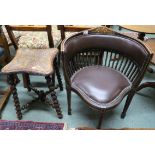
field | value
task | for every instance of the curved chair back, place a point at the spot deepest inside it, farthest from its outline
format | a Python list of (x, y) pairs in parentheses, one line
[(108, 48)]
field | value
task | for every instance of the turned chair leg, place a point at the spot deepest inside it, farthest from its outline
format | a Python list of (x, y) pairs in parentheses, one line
[(26, 81), (59, 59), (100, 120), (54, 97), (69, 101), (53, 79), (16, 79), (127, 104), (12, 82), (58, 75)]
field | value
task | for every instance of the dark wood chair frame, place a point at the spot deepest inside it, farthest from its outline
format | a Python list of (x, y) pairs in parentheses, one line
[(76, 61)]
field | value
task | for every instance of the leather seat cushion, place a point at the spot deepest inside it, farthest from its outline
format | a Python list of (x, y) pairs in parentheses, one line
[(102, 87)]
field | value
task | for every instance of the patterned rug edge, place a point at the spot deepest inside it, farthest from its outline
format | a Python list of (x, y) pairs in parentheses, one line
[(31, 125)]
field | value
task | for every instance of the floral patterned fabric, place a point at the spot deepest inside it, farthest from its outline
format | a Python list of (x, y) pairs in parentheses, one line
[(39, 39), (35, 40)]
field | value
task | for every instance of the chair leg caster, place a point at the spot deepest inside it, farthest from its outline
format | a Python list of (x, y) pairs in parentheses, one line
[(123, 115)]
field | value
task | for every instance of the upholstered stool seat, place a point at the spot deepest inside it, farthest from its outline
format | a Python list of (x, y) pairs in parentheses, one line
[(34, 61), (101, 87)]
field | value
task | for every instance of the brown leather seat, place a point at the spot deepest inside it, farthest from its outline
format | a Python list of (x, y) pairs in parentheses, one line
[(102, 87)]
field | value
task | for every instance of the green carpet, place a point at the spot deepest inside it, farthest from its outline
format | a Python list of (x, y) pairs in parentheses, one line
[(141, 113)]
